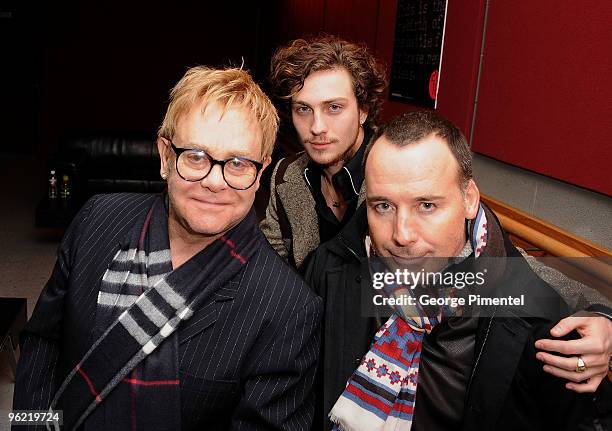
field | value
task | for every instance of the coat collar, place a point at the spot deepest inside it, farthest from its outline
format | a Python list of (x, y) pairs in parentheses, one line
[(299, 205)]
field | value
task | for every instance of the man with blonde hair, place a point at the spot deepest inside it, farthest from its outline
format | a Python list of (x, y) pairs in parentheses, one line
[(172, 311)]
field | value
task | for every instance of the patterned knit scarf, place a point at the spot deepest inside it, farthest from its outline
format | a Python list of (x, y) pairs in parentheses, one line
[(129, 379), (381, 393)]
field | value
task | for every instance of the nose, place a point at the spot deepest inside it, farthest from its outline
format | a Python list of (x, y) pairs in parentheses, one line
[(214, 181), (405, 230), (318, 126)]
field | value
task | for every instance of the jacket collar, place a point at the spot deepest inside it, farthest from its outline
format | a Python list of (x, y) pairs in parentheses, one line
[(299, 206)]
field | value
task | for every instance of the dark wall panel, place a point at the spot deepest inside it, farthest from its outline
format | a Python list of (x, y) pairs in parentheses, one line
[(110, 66), (297, 18), (354, 20)]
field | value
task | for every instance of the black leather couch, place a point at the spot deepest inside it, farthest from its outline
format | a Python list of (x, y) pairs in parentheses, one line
[(99, 163)]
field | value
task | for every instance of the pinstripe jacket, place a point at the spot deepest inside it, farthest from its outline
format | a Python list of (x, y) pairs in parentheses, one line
[(247, 358)]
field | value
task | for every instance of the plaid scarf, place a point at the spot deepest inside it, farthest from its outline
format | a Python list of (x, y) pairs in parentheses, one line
[(381, 393), (129, 379)]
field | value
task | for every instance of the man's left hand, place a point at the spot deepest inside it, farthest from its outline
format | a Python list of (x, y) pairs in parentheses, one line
[(594, 348)]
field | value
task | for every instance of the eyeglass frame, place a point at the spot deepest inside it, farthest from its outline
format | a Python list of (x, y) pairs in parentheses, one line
[(178, 151)]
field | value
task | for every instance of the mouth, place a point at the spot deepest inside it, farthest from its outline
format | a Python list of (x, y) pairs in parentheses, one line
[(408, 260), (319, 145), (210, 203), (423, 261)]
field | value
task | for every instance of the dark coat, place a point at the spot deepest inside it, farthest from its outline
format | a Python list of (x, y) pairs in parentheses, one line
[(507, 389), (246, 359)]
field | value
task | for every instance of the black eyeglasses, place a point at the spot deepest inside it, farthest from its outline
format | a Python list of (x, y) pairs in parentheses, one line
[(194, 165)]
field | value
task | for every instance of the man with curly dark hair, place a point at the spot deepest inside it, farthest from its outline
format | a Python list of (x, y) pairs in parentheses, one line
[(332, 91)]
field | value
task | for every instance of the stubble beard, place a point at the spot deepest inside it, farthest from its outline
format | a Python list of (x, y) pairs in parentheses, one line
[(344, 157)]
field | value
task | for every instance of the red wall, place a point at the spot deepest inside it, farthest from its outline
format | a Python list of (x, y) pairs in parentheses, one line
[(544, 103), (545, 94)]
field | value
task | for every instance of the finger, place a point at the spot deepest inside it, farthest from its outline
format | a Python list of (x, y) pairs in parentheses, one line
[(569, 364), (581, 346), (565, 326), (587, 387), (572, 376)]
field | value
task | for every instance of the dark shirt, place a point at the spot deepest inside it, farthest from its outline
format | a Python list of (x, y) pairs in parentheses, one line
[(447, 361), (347, 181)]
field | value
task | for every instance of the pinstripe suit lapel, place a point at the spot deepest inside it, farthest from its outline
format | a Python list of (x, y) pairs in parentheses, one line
[(207, 315)]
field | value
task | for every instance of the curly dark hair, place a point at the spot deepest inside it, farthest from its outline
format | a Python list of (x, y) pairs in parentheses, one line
[(291, 64)]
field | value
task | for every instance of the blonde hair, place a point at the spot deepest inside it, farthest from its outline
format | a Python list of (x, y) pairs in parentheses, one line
[(232, 88)]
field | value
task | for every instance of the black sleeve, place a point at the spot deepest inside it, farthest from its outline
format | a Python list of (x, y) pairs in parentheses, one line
[(35, 383), (314, 270), (600, 309)]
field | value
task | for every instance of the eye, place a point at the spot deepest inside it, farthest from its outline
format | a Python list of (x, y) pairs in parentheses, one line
[(334, 108), (237, 165), (427, 207), (383, 207), (301, 110), (195, 157)]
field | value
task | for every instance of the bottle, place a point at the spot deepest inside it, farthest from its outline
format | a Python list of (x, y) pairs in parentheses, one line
[(65, 191), (52, 185)]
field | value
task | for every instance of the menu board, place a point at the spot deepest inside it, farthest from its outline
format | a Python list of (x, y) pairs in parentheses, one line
[(417, 51)]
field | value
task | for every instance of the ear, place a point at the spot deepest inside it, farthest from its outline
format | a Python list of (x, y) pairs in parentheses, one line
[(472, 200), (363, 116), (266, 163), (165, 154)]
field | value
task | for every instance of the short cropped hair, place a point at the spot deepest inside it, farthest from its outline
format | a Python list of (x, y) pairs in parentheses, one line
[(291, 65), (411, 127), (232, 88)]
